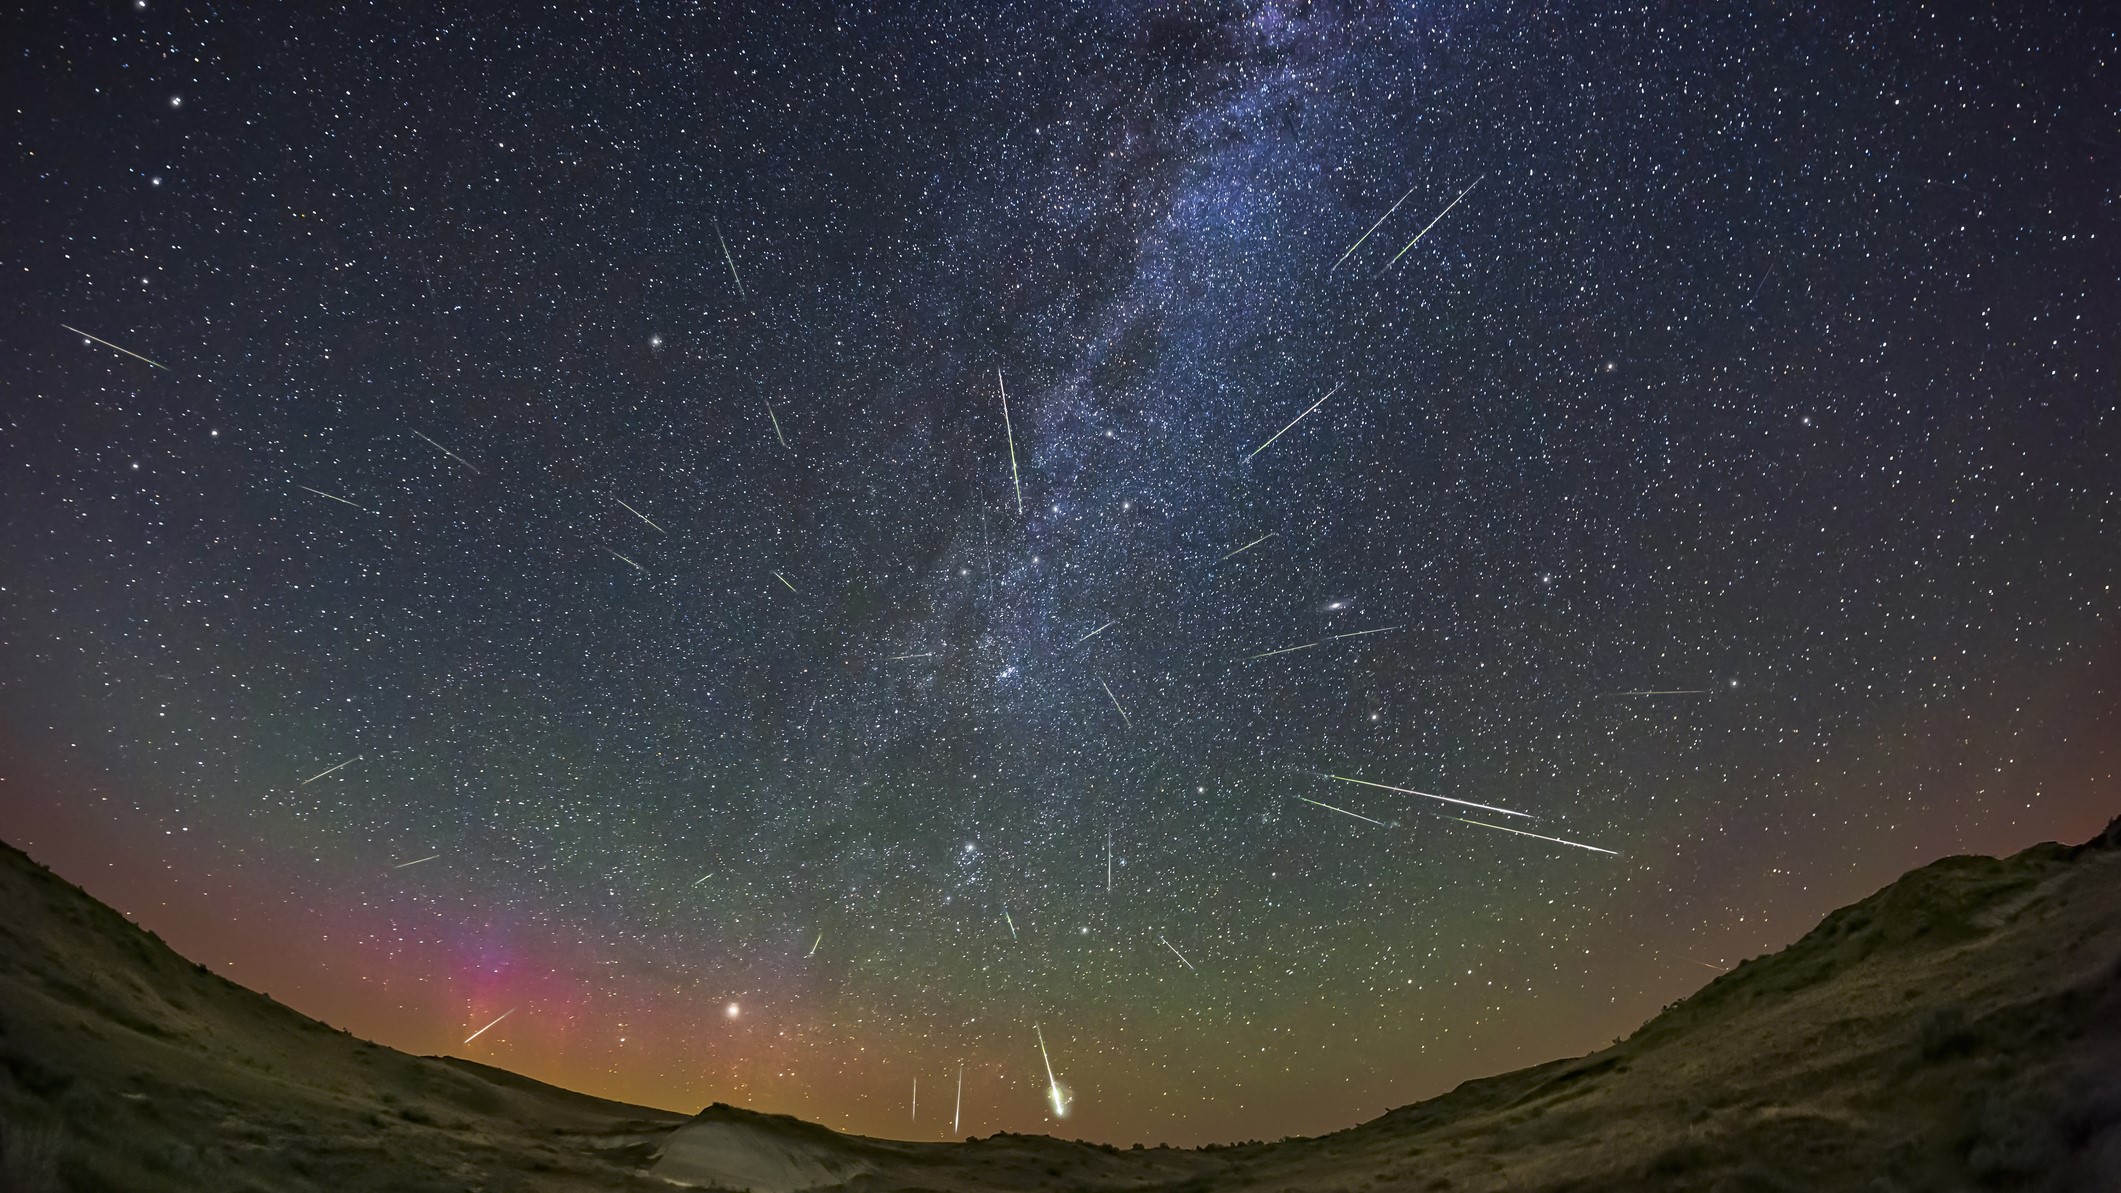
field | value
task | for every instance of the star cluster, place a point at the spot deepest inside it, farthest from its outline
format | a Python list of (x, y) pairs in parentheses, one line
[(583, 437)]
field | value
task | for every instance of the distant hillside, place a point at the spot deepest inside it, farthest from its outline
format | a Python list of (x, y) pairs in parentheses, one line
[(1960, 1029), (126, 1067)]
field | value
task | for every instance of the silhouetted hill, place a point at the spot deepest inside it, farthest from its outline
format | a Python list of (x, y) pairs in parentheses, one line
[(1960, 1029), (128, 1068)]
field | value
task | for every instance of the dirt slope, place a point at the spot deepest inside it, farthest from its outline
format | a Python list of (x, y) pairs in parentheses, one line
[(127, 1067)]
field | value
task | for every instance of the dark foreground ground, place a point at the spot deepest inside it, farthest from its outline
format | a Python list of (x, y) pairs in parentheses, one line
[(1959, 1030)]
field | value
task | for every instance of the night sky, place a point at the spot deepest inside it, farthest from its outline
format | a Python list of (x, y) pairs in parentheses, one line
[(587, 434)]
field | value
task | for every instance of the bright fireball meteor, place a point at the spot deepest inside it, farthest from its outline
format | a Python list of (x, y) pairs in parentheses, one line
[(1053, 1089)]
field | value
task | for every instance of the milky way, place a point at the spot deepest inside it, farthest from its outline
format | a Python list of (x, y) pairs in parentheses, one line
[(559, 553)]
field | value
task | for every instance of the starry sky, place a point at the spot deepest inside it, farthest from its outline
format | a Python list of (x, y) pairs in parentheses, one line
[(586, 432)]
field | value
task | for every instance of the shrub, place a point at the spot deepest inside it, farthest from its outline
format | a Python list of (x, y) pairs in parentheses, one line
[(29, 1156), (2010, 1140), (1945, 1033)]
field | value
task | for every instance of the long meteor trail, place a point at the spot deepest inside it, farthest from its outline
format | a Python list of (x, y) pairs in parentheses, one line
[(320, 774), (1292, 422), (334, 497), (1174, 952), (1053, 1089), (776, 425), (1093, 633), (107, 344), (1463, 803), (1009, 429), (1248, 546), (726, 257), (1123, 717), (1343, 811), (1267, 654), (636, 513), (1373, 227), (1520, 832), (925, 654), (416, 861), (445, 451), (1432, 223), (1664, 692), (482, 1031), (636, 567)]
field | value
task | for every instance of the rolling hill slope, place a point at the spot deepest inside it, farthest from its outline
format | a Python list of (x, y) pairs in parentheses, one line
[(1960, 1029)]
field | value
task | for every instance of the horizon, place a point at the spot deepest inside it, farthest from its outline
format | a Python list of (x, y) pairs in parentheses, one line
[(1209, 1145)]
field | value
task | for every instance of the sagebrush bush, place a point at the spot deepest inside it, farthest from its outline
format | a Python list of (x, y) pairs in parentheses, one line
[(29, 1156)]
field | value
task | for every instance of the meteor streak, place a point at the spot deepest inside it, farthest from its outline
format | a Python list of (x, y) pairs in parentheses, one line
[(1093, 633), (702, 878), (638, 514), (107, 344), (776, 424), (1343, 811), (1284, 650), (320, 774), (1248, 546), (1373, 227), (813, 945), (636, 567), (956, 1110), (1322, 641), (341, 500), (1008, 921), (784, 581), (445, 451), (1124, 718), (926, 654), (482, 1031), (1174, 952), (1053, 1089), (726, 257), (416, 861), (1520, 832), (1292, 422), (1108, 860), (1010, 429), (1664, 692), (1443, 798), (1758, 288), (1432, 223)]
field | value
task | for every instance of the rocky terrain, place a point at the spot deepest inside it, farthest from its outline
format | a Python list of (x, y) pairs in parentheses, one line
[(1960, 1029)]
